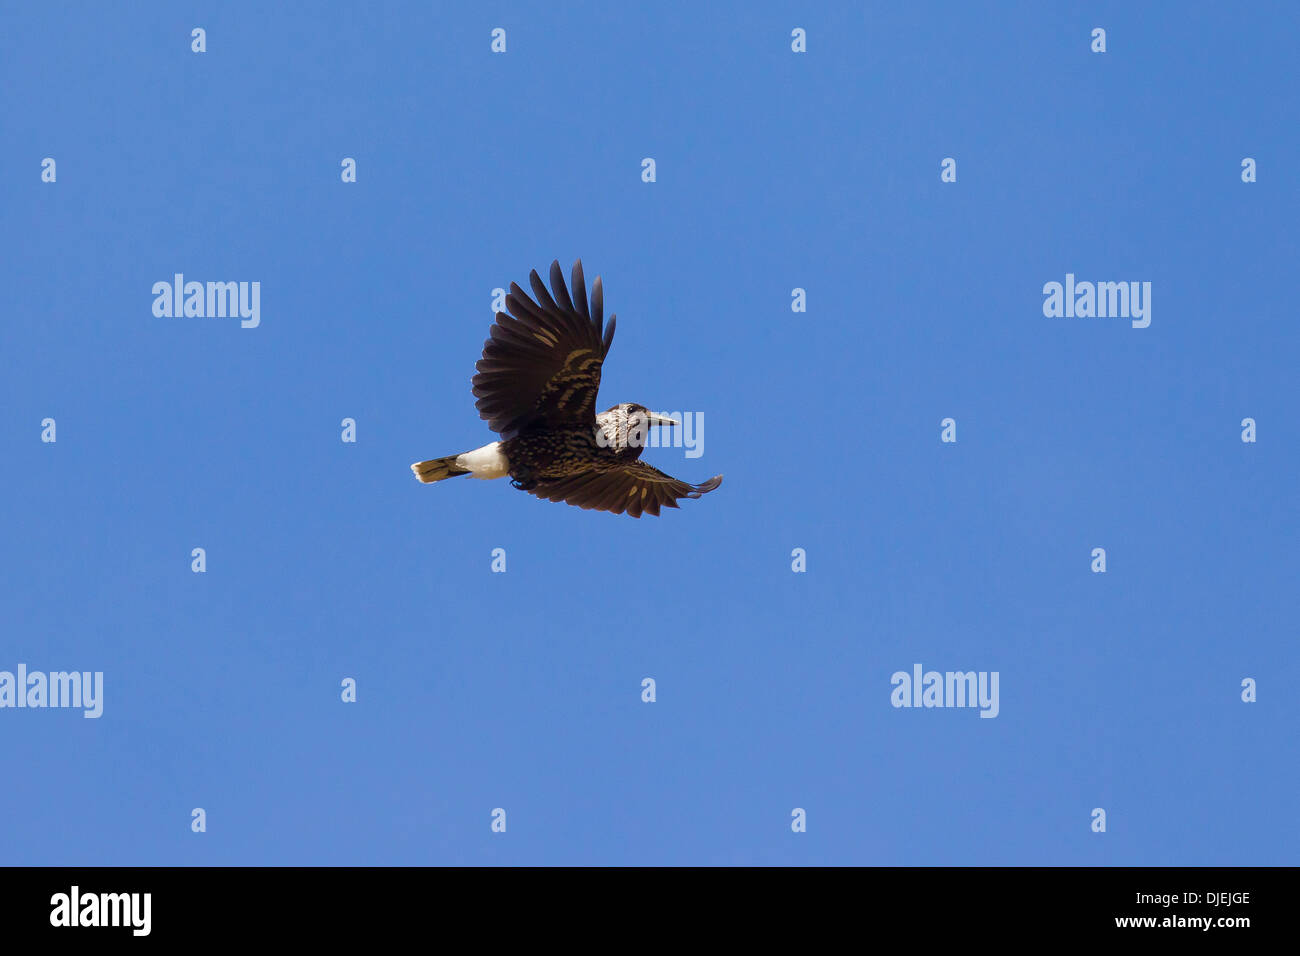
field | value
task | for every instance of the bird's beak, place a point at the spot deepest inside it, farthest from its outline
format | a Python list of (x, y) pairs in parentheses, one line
[(654, 419)]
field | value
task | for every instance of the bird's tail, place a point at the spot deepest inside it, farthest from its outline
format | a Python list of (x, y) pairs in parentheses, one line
[(437, 469)]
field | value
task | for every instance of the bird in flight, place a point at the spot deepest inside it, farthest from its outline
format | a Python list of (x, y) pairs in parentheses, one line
[(536, 387)]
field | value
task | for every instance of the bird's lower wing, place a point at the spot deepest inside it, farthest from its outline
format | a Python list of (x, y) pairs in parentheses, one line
[(634, 487)]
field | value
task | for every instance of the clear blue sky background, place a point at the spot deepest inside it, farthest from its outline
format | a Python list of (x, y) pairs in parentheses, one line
[(522, 690)]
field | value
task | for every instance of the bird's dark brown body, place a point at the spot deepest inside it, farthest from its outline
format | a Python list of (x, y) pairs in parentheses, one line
[(557, 453), (536, 387)]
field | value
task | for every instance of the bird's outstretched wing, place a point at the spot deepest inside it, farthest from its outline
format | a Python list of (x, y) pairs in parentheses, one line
[(633, 486), (542, 363)]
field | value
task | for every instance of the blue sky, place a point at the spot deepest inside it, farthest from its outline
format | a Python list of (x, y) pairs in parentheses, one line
[(522, 690)]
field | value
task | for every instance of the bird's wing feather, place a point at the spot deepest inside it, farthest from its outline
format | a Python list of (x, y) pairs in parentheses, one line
[(633, 486), (542, 364)]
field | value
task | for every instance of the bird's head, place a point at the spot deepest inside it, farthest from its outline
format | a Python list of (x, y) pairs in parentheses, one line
[(625, 427), (640, 419)]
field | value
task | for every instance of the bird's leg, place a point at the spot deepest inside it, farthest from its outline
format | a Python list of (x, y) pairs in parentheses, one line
[(522, 478)]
